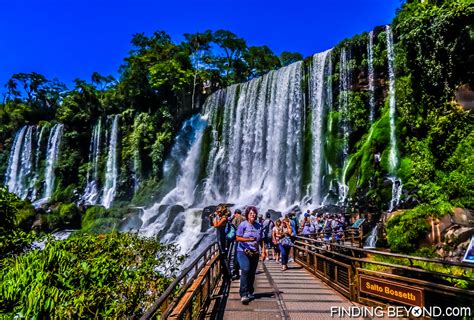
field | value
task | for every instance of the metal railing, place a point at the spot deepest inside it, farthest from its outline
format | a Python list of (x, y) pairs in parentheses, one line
[(189, 296), (353, 237), (340, 266)]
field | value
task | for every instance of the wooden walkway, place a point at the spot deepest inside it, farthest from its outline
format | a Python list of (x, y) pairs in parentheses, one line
[(292, 294)]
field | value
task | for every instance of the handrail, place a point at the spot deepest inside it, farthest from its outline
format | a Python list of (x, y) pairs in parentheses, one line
[(391, 265), (341, 268), (390, 254), (207, 254)]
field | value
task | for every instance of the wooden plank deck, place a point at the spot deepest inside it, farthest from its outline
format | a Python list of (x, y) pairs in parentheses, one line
[(294, 294)]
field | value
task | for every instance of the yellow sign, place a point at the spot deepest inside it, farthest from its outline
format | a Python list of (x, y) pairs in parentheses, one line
[(389, 290)]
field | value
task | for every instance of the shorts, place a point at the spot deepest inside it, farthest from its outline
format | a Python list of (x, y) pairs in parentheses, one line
[(268, 242)]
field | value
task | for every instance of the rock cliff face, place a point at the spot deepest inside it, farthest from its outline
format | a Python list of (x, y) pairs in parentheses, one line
[(450, 234)]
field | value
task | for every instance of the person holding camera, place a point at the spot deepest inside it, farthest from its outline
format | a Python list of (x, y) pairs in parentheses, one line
[(219, 222), (248, 236)]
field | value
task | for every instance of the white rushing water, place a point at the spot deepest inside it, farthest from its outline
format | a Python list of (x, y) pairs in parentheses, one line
[(91, 193), (26, 174), (393, 157), (344, 87), (321, 68), (36, 178), (14, 163), (259, 153), (52, 154), (393, 160), (51, 158), (111, 174), (371, 240), (397, 188), (370, 55), (162, 215)]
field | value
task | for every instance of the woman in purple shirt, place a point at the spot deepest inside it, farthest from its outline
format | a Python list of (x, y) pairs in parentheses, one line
[(248, 236)]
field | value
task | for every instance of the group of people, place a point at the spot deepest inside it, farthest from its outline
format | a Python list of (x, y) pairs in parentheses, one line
[(248, 232)]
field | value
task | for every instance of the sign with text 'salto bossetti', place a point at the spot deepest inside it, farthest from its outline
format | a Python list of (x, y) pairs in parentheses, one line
[(390, 290)]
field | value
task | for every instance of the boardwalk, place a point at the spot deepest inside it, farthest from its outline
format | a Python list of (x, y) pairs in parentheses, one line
[(294, 294)]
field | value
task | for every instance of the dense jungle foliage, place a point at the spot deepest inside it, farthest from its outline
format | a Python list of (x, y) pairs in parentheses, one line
[(162, 83), (434, 44)]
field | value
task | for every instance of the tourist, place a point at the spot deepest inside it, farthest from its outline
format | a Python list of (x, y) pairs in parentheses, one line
[(249, 236), (267, 227), (237, 219), (219, 222), (294, 228), (285, 242), (277, 234), (306, 226)]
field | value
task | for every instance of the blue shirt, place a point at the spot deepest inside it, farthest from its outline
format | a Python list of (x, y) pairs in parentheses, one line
[(248, 230)]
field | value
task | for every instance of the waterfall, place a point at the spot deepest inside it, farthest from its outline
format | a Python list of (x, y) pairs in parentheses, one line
[(26, 175), (91, 193), (35, 180), (393, 157), (112, 167), (52, 154), (317, 84), (14, 162), (184, 166), (397, 188), (371, 240), (344, 87), (393, 160), (370, 55), (258, 158)]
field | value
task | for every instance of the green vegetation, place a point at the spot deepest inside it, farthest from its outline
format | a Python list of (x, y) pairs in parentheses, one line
[(116, 275), (429, 266), (161, 83)]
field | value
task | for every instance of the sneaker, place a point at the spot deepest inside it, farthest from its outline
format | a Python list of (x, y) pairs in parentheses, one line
[(235, 277), (251, 296), (245, 300), (291, 260)]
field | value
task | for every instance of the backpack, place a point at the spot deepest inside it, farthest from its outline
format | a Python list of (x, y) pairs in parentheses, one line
[(231, 232), (267, 228)]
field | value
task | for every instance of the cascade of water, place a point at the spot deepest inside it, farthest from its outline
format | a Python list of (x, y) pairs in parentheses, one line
[(187, 152), (344, 87), (35, 180), (371, 240), (14, 162), (26, 165), (260, 152), (317, 86), (393, 160), (52, 154), (216, 155), (370, 55), (91, 193), (397, 188), (112, 167)]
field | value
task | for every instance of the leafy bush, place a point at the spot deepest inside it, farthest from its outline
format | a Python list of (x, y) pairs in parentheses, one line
[(13, 212), (107, 276), (406, 229)]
